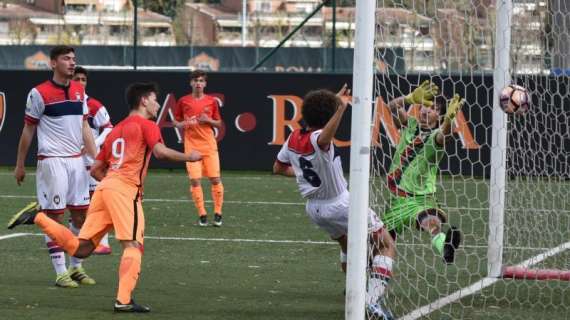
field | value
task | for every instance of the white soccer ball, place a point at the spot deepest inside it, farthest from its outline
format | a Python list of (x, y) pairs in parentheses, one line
[(514, 99)]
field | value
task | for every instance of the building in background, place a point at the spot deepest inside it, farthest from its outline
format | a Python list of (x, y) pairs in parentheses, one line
[(81, 22), (458, 36)]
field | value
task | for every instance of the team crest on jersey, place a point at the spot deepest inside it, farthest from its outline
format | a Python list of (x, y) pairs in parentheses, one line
[(2, 109), (56, 199)]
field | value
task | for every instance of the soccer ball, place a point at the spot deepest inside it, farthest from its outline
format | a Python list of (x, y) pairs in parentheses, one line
[(514, 99)]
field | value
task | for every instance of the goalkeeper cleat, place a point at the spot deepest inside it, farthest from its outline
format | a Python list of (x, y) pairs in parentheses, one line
[(64, 281), (379, 311), (452, 241), (102, 250), (217, 220), (24, 216), (203, 221), (131, 307), (78, 275)]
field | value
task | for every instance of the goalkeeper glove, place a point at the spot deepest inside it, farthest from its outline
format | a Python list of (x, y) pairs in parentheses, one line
[(454, 106), (423, 94)]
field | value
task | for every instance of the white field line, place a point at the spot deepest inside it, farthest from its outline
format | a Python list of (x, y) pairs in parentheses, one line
[(479, 285), (8, 196), (181, 200), (183, 175), (13, 235), (309, 242)]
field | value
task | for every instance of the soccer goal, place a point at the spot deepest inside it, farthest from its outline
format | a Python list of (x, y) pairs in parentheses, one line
[(504, 178)]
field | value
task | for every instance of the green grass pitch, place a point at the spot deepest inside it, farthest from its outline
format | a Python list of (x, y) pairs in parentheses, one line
[(266, 262)]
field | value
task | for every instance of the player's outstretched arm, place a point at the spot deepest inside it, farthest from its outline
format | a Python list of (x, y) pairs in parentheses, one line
[(162, 152), (88, 140), (281, 169), (327, 135), (99, 170), (23, 147), (445, 129), (101, 138), (424, 95)]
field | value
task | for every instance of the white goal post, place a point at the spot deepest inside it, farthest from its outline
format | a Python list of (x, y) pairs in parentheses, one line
[(504, 179)]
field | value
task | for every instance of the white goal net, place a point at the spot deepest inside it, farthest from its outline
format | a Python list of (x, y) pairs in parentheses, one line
[(509, 197)]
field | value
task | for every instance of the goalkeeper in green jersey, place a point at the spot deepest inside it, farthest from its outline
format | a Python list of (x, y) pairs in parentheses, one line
[(413, 172)]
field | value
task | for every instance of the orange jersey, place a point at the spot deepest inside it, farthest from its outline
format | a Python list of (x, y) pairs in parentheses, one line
[(199, 137), (127, 151)]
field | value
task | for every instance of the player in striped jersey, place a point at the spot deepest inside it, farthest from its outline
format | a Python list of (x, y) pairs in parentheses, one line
[(57, 110), (100, 123), (121, 166), (309, 155)]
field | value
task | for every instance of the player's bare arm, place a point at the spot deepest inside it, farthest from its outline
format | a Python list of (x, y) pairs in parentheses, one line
[(88, 140), (23, 147), (446, 126), (101, 138), (284, 170), (99, 170), (204, 119), (398, 109), (327, 135), (162, 152)]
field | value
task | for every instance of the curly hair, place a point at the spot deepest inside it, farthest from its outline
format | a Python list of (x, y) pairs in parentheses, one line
[(318, 107)]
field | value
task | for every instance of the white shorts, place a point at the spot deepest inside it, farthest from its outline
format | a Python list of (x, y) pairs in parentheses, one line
[(62, 183), (332, 216)]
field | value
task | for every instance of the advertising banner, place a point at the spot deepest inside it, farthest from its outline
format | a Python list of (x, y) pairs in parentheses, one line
[(260, 110)]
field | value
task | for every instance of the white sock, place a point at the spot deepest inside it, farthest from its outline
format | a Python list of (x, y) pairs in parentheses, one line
[(73, 261), (380, 276), (105, 240), (57, 255)]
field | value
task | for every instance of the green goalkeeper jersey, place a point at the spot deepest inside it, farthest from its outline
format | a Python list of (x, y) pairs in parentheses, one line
[(415, 165)]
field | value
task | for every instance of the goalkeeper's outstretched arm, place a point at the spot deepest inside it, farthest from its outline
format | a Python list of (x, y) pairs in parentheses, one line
[(424, 95), (446, 126)]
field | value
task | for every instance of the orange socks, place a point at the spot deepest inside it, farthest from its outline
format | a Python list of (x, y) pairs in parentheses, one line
[(198, 197), (63, 236), (129, 270), (218, 197)]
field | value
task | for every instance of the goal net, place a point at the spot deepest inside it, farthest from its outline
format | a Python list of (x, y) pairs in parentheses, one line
[(504, 178)]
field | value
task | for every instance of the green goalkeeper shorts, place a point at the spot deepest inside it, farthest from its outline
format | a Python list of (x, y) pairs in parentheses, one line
[(404, 211)]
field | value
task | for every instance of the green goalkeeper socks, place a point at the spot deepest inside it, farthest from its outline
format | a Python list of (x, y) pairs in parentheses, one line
[(438, 241)]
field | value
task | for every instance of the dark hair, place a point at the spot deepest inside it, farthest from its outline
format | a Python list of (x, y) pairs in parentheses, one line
[(440, 102), (197, 74), (138, 90), (318, 107), (57, 51), (81, 70)]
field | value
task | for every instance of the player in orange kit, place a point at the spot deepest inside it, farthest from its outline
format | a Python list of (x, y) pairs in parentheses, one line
[(198, 114), (121, 167)]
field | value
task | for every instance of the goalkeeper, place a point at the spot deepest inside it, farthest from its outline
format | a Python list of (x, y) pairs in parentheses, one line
[(413, 171)]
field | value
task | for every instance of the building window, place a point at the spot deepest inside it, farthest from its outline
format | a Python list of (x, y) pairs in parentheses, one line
[(4, 27), (263, 6)]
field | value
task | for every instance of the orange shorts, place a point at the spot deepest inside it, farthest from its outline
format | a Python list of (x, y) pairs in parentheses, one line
[(209, 166), (112, 209)]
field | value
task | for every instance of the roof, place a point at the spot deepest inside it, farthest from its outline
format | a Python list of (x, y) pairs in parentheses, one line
[(22, 11)]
